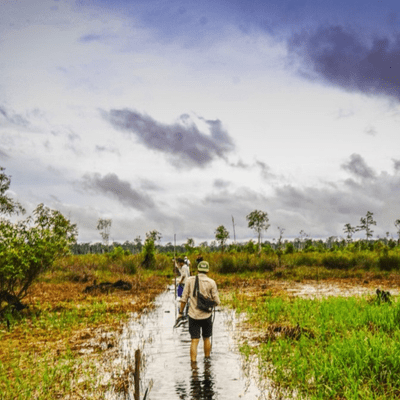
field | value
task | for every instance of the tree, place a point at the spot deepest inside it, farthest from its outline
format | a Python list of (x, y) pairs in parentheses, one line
[(138, 244), (29, 248), (8, 206), (221, 236), (189, 245), (366, 224), (279, 251), (258, 220), (104, 226), (149, 249), (154, 235), (349, 230), (397, 225)]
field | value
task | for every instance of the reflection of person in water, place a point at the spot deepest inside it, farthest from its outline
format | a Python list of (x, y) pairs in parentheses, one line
[(202, 387)]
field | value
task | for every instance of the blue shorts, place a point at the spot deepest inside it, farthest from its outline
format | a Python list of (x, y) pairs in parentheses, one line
[(204, 324)]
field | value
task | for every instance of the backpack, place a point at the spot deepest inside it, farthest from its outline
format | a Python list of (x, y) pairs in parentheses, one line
[(203, 303)]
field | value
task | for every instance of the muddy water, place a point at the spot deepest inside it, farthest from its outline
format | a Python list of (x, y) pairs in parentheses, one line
[(167, 372)]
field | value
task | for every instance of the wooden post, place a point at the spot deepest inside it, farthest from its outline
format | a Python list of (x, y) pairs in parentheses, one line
[(175, 262), (137, 375)]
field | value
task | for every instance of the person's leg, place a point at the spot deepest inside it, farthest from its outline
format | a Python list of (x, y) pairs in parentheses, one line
[(193, 349), (207, 333), (207, 347)]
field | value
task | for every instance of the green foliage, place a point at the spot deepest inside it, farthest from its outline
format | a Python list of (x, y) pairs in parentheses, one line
[(221, 235), (335, 348), (365, 224), (389, 262), (8, 206), (250, 247), (149, 254), (338, 261), (258, 221), (289, 248), (30, 247), (117, 253)]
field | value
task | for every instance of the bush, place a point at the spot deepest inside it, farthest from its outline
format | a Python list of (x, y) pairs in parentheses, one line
[(130, 265), (149, 257), (266, 264), (228, 265), (308, 259), (29, 248), (337, 261), (389, 262), (289, 248)]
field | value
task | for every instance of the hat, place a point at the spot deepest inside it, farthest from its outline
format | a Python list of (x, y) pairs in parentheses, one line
[(203, 266)]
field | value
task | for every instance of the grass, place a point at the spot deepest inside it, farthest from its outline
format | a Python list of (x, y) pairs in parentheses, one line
[(335, 348), (54, 348)]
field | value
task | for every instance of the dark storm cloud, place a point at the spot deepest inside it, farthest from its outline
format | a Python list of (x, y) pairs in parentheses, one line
[(184, 143), (12, 118), (122, 190), (341, 58), (358, 167)]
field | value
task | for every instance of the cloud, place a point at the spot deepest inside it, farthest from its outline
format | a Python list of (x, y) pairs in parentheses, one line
[(183, 142), (396, 165), (4, 155), (12, 118), (358, 167), (340, 57), (91, 37), (371, 131), (104, 149), (221, 184), (265, 170), (110, 184)]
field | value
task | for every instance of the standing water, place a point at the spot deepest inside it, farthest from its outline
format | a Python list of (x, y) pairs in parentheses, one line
[(167, 372)]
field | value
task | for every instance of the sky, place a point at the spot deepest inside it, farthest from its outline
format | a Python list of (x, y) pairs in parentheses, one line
[(179, 115)]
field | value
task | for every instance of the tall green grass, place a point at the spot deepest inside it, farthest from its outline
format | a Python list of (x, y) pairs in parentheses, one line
[(343, 348)]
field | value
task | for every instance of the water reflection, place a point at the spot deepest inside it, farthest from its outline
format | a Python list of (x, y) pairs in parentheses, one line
[(201, 385), (167, 370)]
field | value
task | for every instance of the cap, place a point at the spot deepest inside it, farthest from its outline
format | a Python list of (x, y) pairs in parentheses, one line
[(203, 266)]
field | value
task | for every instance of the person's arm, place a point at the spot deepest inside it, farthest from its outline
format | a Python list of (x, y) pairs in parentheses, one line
[(214, 294), (184, 299)]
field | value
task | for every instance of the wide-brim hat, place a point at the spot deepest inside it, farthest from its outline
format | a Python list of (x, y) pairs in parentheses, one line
[(203, 266)]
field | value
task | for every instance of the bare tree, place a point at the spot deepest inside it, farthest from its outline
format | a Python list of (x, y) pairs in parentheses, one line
[(104, 226)]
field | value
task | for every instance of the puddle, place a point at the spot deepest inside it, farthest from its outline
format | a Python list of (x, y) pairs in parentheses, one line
[(166, 371), (323, 290)]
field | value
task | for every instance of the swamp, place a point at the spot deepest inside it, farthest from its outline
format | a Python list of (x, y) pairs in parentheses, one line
[(294, 331)]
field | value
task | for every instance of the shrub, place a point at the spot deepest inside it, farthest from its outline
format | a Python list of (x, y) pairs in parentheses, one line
[(337, 261), (227, 265), (289, 248), (306, 259), (29, 248), (130, 264), (266, 264), (389, 262)]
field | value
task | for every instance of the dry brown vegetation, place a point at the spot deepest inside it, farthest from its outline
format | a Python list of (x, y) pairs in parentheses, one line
[(65, 329)]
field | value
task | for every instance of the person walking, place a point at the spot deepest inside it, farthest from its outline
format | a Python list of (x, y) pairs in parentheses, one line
[(199, 321), (184, 274)]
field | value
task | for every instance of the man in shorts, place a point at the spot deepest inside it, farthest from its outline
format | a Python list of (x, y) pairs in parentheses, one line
[(199, 321)]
